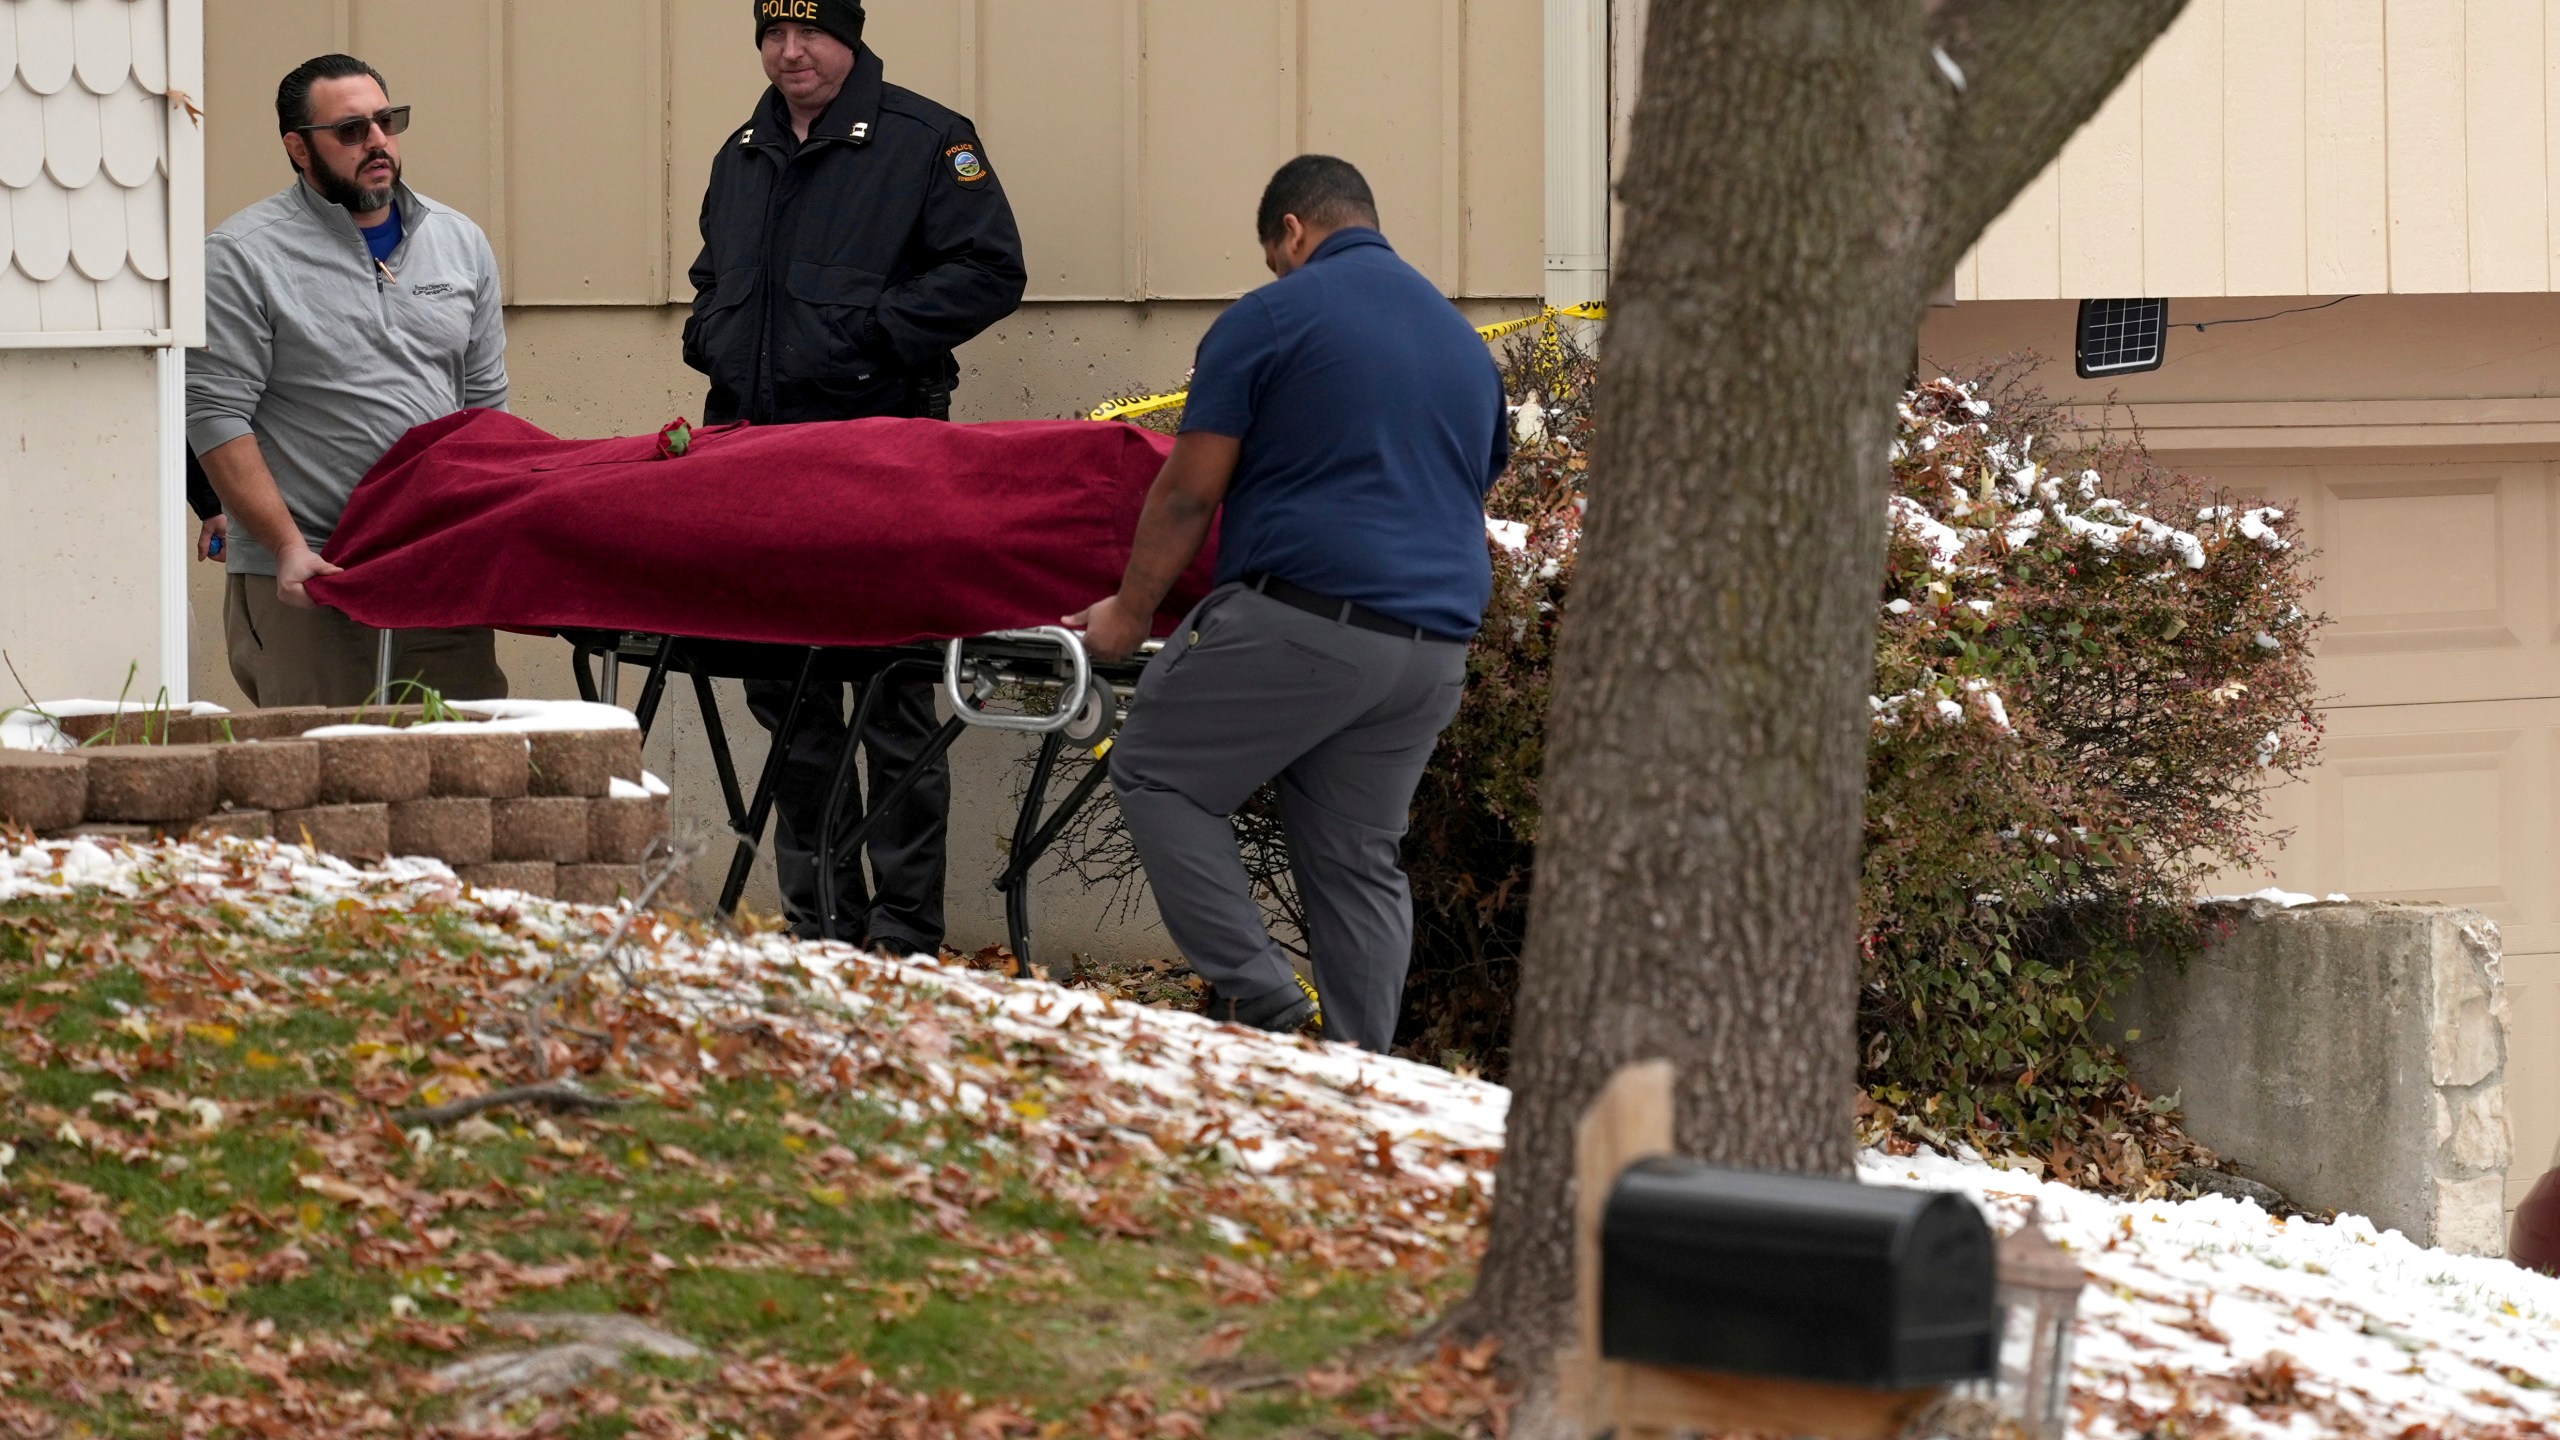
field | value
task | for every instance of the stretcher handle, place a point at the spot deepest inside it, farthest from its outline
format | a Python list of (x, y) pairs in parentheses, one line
[(1071, 697)]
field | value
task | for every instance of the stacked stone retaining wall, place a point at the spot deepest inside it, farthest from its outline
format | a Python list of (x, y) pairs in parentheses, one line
[(530, 810)]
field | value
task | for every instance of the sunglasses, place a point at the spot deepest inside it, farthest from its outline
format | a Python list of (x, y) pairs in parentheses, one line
[(355, 130)]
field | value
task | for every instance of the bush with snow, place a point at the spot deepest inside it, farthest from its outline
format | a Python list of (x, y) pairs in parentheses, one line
[(2087, 670)]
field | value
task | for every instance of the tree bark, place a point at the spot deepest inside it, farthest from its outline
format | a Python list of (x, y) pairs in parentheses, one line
[(1801, 176)]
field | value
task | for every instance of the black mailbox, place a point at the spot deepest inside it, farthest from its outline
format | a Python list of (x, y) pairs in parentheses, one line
[(1795, 1276)]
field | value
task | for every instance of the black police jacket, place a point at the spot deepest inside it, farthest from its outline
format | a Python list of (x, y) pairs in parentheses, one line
[(838, 273)]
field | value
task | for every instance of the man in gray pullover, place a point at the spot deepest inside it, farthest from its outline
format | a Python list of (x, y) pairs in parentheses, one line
[(339, 314)]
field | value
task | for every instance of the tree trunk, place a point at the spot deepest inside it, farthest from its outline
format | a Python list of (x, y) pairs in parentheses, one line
[(1801, 176)]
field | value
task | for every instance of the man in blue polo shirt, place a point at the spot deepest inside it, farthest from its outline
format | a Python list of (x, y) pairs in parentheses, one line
[(1350, 422)]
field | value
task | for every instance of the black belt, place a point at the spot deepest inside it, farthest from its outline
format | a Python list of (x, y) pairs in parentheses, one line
[(1345, 612)]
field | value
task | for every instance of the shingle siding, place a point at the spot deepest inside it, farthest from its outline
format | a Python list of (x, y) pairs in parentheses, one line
[(84, 166)]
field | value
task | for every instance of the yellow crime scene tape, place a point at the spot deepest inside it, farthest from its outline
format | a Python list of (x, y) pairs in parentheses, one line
[(1150, 404)]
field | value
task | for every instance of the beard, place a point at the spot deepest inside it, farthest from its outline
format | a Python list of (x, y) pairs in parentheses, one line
[(343, 190)]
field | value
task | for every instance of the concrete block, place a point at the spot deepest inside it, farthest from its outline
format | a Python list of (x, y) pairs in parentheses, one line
[(350, 832), (284, 722), (235, 825), (455, 831), (138, 724), (200, 730), (2471, 1215), (140, 784), (2468, 1044), (269, 774), (599, 884), (531, 877), (395, 716), (374, 769), (2471, 1128), (583, 763), (2351, 1055), (542, 827), (42, 792), (149, 727), (84, 728), (620, 832), (493, 766)]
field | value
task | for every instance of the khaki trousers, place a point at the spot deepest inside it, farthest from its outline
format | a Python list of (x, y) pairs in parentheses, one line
[(282, 655)]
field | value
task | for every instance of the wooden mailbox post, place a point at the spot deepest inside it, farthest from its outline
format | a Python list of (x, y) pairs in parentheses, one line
[(1630, 1122)]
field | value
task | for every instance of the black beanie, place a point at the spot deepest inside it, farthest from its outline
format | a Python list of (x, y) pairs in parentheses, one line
[(840, 18)]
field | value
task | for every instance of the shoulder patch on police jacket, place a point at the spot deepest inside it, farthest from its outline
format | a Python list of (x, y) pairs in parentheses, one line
[(968, 161)]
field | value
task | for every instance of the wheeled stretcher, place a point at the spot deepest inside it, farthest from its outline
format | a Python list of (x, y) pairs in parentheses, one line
[(1075, 703), (844, 552)]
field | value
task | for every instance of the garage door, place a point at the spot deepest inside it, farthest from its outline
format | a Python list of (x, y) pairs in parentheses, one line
[(2440, 671)]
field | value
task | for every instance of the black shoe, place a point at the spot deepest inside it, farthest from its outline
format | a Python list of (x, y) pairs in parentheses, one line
[(1282, 1012), (899, 947)]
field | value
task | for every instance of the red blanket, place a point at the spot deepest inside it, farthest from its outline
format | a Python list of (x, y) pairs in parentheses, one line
[(870, 532)]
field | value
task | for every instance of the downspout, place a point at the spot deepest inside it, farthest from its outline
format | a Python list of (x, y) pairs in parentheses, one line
[(1578, 126), (176, 529)]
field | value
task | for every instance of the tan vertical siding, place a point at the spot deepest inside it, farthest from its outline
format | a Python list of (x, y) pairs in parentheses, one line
[(1063, 154), (2504, 138), (1216, 120), (1134, 135), (2282, 147), (586, 204), (2182, 156), (1377, 92), (1503, 190), (2263, 147), (709, 94), (2102, 221), (436, 54), (248, 47), (2022, 255), (2424, 145), (2346, 205)]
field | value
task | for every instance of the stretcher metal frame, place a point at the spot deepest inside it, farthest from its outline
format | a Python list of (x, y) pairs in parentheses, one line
[(1087, 701)]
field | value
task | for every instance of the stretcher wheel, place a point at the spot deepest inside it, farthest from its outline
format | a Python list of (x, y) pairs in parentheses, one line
[(1095, 722)]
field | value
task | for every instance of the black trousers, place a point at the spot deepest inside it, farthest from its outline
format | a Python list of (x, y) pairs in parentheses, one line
[(909, 849)]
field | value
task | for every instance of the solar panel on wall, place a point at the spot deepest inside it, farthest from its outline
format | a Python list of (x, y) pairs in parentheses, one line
[(2121, 337)]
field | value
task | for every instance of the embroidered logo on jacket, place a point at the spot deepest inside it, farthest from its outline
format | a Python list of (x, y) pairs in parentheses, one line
[(966, 164)]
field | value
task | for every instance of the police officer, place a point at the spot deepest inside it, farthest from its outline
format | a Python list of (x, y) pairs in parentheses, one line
[(1350, 422), (853, 236)]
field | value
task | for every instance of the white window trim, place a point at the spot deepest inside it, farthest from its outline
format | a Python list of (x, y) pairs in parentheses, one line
[(186, 175)]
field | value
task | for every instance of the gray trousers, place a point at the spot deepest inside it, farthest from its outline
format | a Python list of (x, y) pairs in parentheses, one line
[(1250, 690)]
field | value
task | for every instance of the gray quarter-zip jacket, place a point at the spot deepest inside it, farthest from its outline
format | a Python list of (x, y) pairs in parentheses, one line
[(329, 358)]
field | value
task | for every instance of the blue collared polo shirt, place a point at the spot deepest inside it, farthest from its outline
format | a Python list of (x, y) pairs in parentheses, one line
[(1372, 424)]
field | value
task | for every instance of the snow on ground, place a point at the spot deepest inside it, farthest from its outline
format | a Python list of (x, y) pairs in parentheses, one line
[(2203, 1317), (2204, 1305), (2286, 899)]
